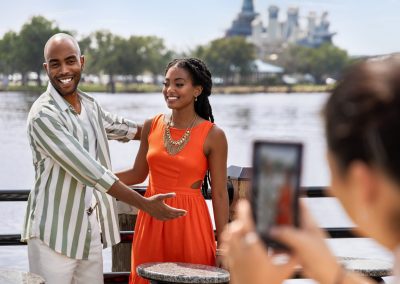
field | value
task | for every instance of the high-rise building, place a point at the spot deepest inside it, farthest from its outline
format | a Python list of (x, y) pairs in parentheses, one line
[(241, 26), (278, 34)]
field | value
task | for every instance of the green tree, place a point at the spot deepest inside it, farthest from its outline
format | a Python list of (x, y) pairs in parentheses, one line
[(9, 58), (103, 56), (32, 38), (322, 62), (156, 55), (228, 58)]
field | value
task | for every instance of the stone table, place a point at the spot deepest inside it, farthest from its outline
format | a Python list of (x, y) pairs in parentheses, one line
[(177, 272), (373, 268), (19, 277)]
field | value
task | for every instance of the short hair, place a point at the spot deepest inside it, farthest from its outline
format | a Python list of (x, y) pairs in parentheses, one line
[(61, 36)]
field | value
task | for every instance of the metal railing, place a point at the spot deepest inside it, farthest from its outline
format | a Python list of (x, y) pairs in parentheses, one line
[(127, 236)]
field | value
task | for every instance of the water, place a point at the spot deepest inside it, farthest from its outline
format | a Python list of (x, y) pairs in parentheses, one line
[(244, 118)]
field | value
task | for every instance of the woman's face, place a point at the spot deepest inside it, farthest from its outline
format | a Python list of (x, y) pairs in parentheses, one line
[(178, 89)]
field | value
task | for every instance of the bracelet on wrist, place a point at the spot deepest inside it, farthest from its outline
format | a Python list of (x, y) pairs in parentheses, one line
[(219, 252)]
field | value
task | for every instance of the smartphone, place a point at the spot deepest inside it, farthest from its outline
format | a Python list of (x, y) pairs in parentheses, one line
[(275, 187)]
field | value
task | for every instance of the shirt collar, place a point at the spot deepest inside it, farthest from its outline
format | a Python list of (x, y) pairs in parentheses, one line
[(63, 104)]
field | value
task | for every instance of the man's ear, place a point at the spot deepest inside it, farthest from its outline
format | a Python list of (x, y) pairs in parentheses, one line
[(45, 66), (82, 60), (365, 180)]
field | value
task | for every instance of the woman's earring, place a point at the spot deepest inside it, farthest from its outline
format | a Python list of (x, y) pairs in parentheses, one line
[(195, 99)]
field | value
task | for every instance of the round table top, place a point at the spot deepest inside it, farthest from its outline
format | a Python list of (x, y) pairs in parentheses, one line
[(19, 277), (366, 266), (177, 272)]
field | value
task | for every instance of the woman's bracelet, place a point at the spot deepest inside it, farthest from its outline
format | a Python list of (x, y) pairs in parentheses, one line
[(219, 252)]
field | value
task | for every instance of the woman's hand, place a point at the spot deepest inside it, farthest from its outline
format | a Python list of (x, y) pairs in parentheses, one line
[(309, 246), (246, 257)]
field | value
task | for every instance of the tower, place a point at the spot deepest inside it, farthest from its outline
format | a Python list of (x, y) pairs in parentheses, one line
[(241, 26), (273, 24)]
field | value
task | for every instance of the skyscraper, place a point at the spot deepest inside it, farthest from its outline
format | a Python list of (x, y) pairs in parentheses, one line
[(241, 26)]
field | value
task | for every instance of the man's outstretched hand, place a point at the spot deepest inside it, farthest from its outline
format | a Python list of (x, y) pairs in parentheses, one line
[(156, 207), (153, 205)]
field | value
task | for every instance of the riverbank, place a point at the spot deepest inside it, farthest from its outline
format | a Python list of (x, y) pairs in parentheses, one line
[(152, 88)]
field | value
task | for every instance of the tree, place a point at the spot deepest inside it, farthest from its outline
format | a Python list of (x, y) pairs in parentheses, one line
[(9, 59), (156, 55), (32, 38), (228, 58), (322, 62)]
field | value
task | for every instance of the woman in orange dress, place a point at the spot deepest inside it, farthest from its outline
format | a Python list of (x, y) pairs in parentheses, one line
[(178, 151)]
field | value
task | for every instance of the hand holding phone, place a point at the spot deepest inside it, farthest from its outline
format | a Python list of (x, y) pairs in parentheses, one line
[(275, 186)]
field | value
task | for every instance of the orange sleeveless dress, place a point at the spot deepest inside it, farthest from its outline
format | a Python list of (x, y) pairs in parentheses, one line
[(186, 239)]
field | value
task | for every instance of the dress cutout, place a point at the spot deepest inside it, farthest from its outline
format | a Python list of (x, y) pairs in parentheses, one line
[(185, 239)]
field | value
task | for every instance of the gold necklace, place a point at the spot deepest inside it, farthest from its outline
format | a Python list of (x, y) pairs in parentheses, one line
[(173, 147)]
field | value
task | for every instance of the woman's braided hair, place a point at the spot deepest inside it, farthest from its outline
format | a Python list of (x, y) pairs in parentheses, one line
[(200, 76)]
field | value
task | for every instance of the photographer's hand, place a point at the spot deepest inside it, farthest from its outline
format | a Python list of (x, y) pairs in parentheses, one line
[(246, 257)]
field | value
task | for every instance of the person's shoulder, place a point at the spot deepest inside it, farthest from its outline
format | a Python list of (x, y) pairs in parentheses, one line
[(149, 121), (216, 133), (43, 105), (217, 130)]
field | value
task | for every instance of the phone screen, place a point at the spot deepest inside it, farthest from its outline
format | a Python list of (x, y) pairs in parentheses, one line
[(275, 186)]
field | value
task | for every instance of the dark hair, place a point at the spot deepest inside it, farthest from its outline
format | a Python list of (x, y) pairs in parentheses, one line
[(362, 116), (200, 76)]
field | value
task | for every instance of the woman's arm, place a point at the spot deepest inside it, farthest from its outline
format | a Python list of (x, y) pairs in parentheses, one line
[(216, 149), (139, 171)]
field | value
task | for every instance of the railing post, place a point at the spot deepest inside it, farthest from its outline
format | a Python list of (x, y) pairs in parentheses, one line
[(241, 181), (121, 253)]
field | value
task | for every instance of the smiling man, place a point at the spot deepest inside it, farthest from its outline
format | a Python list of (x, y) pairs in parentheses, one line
[(71, 212)]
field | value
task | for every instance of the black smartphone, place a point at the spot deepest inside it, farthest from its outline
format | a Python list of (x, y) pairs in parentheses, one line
[(275, 187)]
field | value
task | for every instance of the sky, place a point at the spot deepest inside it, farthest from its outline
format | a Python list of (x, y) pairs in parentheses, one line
[(363, 27)]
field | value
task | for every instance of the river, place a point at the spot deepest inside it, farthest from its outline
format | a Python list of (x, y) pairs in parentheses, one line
[(244, 118)]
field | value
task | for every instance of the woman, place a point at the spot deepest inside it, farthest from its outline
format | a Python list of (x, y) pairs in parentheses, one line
[(362, 122), (177, 150)]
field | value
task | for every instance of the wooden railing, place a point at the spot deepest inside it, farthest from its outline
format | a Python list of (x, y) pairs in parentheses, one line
[(127, 236)]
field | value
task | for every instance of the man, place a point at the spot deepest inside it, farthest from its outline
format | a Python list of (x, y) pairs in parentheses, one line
[(73, 190)]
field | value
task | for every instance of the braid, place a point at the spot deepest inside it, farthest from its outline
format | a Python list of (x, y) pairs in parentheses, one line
[(201, 76)]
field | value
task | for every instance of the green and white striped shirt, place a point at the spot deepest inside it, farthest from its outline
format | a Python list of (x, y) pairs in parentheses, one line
[(56, 210)]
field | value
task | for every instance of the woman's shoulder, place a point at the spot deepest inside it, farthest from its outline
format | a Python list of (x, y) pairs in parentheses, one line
[(153, 121), (215, 133)]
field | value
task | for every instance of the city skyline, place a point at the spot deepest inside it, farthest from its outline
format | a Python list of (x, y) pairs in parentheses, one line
[(366, 28)]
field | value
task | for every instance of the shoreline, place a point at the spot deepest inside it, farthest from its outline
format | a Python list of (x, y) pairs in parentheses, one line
[(151, 88)]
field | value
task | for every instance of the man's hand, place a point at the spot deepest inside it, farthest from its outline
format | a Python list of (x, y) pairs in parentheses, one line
[(153, 205), (156, 207)]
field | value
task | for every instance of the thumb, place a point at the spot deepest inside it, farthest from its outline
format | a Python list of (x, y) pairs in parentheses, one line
[(244, 215), (164, 196)]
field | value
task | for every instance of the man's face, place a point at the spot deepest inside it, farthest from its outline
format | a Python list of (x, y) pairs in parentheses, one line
[(63, 66)]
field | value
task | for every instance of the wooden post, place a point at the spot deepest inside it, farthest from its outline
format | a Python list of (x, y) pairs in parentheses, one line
[(121, 253), (241, 181)]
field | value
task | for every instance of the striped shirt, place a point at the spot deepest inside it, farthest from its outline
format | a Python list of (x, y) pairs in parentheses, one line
[(56, 210)]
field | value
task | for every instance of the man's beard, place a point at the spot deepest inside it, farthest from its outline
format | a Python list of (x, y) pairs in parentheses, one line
[(59, 90)]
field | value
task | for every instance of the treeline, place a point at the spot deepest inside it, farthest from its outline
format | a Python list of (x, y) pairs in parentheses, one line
[(230, 59)]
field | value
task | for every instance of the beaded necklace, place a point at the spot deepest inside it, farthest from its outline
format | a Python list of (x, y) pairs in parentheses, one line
[(172, 146)]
